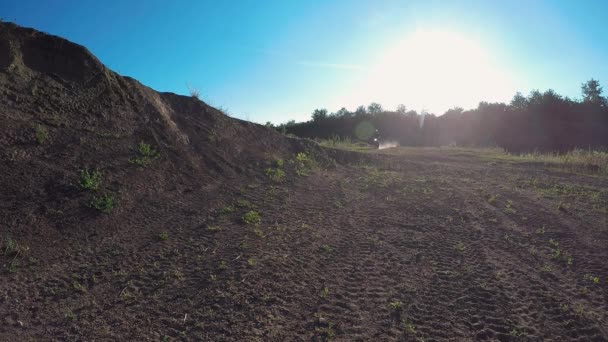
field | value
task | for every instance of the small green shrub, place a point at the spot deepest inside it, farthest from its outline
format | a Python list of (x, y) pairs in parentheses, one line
[(11, 248), (243, 203), (303, 164), (90, 180), (69, 315), (41, 134), (223, 265), (145, 155), (163, 236), (252, 217), (327, 248), (395, 305), (275, 174), (227, 210), (104, 204)]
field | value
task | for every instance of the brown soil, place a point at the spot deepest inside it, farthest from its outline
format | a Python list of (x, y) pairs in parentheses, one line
[(415, 245)]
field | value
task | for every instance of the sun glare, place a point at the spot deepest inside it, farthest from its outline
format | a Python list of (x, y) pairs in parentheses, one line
[(434, 70)]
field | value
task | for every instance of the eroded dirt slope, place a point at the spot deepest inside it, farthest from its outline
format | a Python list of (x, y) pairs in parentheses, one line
[(63, 112)]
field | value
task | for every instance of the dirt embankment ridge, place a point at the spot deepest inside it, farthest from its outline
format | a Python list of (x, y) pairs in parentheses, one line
[(62, 111)]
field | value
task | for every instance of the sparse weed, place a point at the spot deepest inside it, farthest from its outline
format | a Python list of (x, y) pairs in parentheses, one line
[(12, 266), (460, 247), (303, 164), (409, 327), (223, 265), (324, 292), (327, 248), (592, 278), (275, 174), (195, 93), (212, 136), (104, 204), (243, 203), (227, 210), (258, 232), (145, 155), (252, 218), (163, 236), (41, 134), (516, 332), (395, 305), (178, 274), (579, 310), (90, 179), (509, 207), (69, 315), (326, 332), (252, 262), (492, 199), (11, 248), (78, 287), (214, 229)]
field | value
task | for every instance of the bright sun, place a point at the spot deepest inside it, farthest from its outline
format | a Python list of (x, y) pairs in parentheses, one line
[(434, 70)]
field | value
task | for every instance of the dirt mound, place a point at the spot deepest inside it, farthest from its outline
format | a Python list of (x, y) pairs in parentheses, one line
[(62, 111)]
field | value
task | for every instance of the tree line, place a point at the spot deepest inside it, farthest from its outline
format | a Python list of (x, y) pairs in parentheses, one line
[(544, 121)]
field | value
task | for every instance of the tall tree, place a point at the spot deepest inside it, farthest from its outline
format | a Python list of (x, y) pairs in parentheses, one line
[(343, 112), (360, 110), (319, 114), (374, 108), (401, 109), (592, 92)]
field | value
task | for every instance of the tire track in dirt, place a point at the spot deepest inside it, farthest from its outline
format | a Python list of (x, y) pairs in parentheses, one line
[(556, 299)]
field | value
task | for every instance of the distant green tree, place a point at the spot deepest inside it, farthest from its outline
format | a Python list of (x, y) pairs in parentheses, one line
[(319, 114), (401, 109), (343, 112), (360, 110), (592, 92), (374, 108), (519, 102), (456, 112), (535, 97)]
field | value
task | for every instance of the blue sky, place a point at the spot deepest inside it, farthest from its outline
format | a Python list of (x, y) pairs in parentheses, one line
[(279, 60)]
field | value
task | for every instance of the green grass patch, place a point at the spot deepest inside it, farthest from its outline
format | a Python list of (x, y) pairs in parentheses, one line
[(41, 133), (252, 218), (90, 179), (104, 203), (145, 155)]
